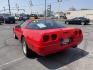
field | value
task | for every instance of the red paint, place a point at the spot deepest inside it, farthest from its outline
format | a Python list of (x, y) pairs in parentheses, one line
[(34, 39)]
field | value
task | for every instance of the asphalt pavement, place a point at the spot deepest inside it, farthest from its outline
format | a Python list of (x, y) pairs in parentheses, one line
[(12, 58)]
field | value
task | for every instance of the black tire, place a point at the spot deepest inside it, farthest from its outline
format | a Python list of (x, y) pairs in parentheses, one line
[(75, 46), (15, 36), (13, 22), (83, 23), (86, 23), (27, 52), (67, 22)]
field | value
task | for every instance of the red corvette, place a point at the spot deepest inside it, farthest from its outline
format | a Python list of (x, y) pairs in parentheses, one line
[(46, 37)]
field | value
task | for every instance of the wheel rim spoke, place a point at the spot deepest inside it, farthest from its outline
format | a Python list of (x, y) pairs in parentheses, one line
[(14, 35), (24, 48)]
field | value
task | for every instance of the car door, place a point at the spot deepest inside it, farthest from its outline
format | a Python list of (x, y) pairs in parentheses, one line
[(18, 30), (76, 20), (72, 21)]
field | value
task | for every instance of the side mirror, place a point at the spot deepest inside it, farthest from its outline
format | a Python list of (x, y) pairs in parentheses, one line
[(17, 26)]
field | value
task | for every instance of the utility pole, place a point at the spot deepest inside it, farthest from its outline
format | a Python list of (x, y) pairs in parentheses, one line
[(17, 8), (45, 10), (4, 9), (49, 10), (31, 4), (9, 7), (59, 1)]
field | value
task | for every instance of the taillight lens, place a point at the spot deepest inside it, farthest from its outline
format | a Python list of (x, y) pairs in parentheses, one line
[(76, 32), (45, 38), (54, 37), (80, 32)]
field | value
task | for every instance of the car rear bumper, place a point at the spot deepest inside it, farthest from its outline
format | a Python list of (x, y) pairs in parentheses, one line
[(54, 48)]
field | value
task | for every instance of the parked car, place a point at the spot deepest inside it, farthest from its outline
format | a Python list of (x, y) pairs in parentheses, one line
[(16, 18), (22, 18), (25, 17), (78, 20), (45, 37), (1, 19), (9, 19), (34, 15)]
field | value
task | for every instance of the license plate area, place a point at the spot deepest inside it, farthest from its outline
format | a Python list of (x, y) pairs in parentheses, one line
[(65, 41)]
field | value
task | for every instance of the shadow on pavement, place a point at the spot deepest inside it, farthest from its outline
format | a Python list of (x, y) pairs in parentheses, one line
[(61, 59)]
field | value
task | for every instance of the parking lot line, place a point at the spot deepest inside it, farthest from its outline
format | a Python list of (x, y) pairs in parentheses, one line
[(10, 62)]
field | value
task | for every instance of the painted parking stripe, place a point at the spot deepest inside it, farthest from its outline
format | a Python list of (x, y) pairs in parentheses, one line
[(10, 62)]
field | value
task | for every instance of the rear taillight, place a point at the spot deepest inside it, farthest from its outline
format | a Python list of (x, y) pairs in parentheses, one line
[(80, 32), (45, 38), (76, 32), (54, 37)]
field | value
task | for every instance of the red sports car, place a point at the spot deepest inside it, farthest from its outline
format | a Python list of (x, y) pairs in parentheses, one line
[(45, 37)]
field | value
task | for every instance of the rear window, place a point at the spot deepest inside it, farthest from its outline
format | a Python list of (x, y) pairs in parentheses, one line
[(44, 25)]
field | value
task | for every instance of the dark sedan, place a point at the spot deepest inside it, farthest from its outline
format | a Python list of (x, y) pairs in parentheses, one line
[(1, 19), (78, 20), (24, 18), (9, 20)]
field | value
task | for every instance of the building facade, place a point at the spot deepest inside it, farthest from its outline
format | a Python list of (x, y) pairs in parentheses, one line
[(59, 14), (80, 13)]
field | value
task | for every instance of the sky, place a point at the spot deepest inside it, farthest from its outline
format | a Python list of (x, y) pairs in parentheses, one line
[(38, 5)]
